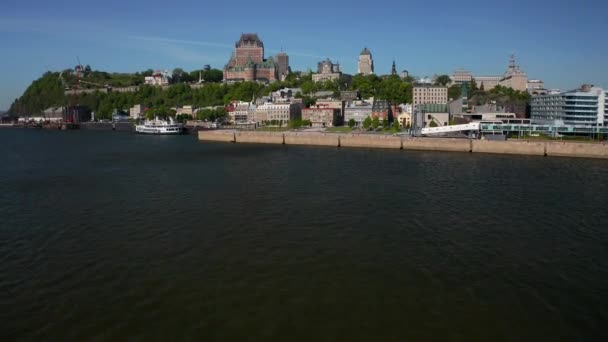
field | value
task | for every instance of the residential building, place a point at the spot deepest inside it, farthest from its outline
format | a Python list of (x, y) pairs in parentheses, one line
[(247, 62), (244, 112), (137, 112), (159, 78), (366, 63), (358, 111), (585, 106), (321, 115), (326, 70), (461, 76), (381, 109), (278, 112), (405, 119), (423, 94)]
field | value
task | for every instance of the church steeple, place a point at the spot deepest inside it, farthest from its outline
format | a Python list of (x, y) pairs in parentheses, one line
[(394, 69)]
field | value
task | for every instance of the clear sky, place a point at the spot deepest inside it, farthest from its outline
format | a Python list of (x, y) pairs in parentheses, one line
[(565, 43)]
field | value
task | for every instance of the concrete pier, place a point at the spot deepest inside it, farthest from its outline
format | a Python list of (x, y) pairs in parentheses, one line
[(537, 148)]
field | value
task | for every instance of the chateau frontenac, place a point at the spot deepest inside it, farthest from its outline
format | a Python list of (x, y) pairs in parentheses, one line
[(247, 62)]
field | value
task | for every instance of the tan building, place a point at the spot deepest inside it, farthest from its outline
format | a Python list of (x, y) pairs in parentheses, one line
[(514, 77), (430, 94), (278, 112), (137, 112), (321, 115), (185, 110), (366, 63), (326, 70), (461, 76), (488, 82)]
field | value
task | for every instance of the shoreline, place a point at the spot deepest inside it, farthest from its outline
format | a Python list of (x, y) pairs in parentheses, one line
[(517, 147)]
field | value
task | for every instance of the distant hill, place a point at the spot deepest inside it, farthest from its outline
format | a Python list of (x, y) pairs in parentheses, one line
[(49, 89)]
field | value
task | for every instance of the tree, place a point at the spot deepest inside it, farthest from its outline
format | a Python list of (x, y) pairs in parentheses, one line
[(454, 92), (432, 124), (396, 126), (375, 122), (351, 123), (443, 80), (385, 124), (367, 122), (481, 87)]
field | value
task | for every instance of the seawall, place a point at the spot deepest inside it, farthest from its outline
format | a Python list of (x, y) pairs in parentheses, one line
[(538, 148)]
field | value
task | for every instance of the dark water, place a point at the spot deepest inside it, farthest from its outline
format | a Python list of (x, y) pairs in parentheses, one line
[(114, 236)]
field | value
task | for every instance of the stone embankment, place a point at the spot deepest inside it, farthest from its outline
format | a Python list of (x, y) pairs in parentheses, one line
[(538, 148)]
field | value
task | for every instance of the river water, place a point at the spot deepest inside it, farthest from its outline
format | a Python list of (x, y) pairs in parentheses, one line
[(115, 236)]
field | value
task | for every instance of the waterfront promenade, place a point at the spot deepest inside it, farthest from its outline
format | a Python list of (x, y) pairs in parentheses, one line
[(538, 148)]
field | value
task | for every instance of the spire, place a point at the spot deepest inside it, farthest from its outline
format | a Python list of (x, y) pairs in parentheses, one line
[(394, 68), (512, 61)]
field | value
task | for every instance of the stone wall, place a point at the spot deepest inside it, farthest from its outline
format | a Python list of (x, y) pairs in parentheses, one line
[(538, 148), (509, 147)]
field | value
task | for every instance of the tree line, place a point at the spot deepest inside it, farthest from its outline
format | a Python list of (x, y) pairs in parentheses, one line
[(48, 90)]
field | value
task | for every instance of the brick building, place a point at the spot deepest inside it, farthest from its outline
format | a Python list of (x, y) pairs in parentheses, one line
[(247, 62)]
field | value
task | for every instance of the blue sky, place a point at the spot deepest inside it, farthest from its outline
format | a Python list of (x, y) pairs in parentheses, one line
[(565, 43)]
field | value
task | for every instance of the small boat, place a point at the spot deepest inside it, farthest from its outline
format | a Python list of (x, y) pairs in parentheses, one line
[(157, 126)]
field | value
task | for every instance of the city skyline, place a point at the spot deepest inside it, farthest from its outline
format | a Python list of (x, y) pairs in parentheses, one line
[(478, 37)]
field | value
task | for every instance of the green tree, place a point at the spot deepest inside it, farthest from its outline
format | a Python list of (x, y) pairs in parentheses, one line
[(432, 124), (351, 123), (375, 122), (396, 126), (443, 80), (367, 122), (454, 92), (385, 124)]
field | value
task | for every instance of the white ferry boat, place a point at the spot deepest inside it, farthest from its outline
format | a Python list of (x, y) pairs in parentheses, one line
[(157, 126)]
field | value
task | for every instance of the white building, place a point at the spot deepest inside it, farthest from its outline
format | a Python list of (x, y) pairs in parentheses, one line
[(159, 78), (585, 106), (358, 111)]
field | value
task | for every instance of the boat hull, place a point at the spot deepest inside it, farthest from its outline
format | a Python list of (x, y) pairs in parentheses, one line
[(158, 130)]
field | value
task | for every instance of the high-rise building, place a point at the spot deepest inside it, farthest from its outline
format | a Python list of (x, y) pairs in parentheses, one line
[(366, 63), (584, 106), (247, 62), (282, 65)]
